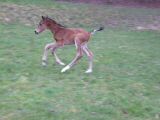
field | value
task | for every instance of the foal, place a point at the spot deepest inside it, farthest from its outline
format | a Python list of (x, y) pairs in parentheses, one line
[(66, 36)]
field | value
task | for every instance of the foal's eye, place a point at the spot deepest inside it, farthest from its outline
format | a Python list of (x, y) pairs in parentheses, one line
[(40, 24)]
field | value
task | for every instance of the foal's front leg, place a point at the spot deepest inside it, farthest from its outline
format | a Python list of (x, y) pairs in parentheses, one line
[(47, 47), (44, 58), (56, 58)]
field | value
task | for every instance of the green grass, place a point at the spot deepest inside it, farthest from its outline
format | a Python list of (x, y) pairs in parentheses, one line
[(124, 84)]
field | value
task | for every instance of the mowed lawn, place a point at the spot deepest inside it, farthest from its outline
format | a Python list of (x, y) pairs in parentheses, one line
[(124, 84)]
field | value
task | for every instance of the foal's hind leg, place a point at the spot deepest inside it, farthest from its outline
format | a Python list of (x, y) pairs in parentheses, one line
[(78, 56), (89, 55), (47, 47)]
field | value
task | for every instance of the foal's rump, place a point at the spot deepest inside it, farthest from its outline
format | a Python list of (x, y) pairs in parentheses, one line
[(73, 34), (81, 34)]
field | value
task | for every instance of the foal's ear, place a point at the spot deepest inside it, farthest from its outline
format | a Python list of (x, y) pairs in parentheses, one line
[(42, 17)]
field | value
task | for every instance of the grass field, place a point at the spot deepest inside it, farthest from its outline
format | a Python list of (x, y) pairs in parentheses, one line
[(124, 84)]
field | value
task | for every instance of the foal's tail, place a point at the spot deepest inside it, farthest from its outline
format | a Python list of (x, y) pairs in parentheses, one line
[(99, 29)]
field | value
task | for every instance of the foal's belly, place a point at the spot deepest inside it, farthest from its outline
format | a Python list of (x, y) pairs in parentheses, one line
[(69, 41)]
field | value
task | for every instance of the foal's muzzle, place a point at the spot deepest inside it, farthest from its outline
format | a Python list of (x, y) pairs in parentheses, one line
[(36, 32)]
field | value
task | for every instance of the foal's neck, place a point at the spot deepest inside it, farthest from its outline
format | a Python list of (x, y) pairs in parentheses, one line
[(53, 27)]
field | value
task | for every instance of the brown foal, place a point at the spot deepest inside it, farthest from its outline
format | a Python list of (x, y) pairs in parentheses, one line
[(66, 36)]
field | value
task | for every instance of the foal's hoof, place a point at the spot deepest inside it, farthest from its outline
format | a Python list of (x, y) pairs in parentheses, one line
[(43, 64), (88, 71)]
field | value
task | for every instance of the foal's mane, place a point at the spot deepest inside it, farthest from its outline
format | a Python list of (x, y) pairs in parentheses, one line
[(54, 22)]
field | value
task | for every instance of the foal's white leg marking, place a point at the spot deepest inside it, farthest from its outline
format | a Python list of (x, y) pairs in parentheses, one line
[(64, 69), (89, 55), (88, 71)]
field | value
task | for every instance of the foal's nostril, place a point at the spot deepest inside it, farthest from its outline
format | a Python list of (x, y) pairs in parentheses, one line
[(36, 32)]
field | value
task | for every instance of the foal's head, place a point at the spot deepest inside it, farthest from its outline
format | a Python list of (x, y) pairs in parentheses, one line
[(41, 26), (46, 23)]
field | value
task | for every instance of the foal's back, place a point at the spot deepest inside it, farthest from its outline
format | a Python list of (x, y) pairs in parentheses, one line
[(72, 34)]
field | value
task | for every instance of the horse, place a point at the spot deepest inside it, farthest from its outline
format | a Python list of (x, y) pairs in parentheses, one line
[(66, 36)]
